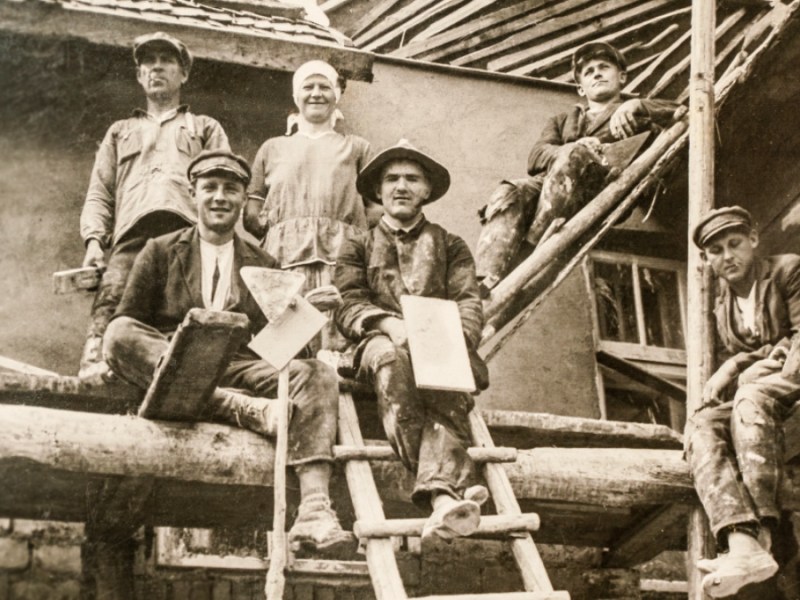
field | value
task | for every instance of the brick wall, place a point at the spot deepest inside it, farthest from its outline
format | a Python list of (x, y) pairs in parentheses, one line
[(41, 560)]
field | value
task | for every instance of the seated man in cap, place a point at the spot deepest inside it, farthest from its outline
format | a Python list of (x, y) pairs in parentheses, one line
[(734, 441), (198, 267), (406, 254), (138, 186), (567, 152)]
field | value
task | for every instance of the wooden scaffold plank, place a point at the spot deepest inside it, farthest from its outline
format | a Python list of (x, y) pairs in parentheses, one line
[(452, 18), (393, 21), (469, 35), (418, 19), (566, 54), (670, 76), (599, 18)]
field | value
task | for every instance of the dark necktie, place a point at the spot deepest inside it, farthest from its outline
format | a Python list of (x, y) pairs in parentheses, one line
[(214, 280)]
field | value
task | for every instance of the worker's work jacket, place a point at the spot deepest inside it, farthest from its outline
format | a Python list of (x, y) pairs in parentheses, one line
[(141, 167), (573, 125), (376, 268), (777, 315), (166, 281)]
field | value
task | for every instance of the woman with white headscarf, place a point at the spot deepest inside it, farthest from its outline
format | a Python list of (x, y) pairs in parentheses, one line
[(302, 198)]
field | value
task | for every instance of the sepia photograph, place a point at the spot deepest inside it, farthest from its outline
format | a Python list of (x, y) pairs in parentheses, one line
[(396, 299)]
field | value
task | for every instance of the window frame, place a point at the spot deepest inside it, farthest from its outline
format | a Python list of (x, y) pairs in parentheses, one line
[(640, 351)]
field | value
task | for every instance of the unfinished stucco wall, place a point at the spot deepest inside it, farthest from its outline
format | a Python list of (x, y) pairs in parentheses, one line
[(60, 98), (481, 129)]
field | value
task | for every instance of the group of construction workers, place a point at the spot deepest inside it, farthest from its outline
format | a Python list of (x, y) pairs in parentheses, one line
[(167, 192)]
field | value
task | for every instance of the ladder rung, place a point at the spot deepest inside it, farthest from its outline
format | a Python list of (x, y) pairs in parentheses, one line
[(502, 596), (491, 526), (479, 455), (328, 568)]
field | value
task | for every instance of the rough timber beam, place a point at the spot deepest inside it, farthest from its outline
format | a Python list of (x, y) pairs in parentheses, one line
[(207, 475), (514, 428), (660, 530), (113, 28)]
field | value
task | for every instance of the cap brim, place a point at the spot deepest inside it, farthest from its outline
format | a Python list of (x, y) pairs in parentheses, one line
[(241, 176), (159, 42), (370, 175), (723, 227)]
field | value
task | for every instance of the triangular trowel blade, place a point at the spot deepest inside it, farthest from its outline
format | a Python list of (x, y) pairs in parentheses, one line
[(272, 289), (620, 154)]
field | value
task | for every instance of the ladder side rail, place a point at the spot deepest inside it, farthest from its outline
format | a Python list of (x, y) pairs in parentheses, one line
[(383, 569), (532, 569)]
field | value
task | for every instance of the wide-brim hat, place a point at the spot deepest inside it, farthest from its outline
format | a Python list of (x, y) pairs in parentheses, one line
[(719, 220), (370, 175), (592, 50), (215, 161), (159, 38)]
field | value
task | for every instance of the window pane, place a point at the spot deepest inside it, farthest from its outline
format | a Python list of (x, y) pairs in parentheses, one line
[(616, 311), (662, 308)]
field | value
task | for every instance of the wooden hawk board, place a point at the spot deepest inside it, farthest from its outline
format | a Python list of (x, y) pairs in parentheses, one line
[(194, 363), (436, 341)]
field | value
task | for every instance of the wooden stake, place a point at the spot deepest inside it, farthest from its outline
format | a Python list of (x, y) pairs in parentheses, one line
[(699, 342), (278, 556)]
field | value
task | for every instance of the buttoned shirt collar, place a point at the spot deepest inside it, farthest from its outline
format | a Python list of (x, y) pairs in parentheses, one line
[(163, 118), (406, 230)]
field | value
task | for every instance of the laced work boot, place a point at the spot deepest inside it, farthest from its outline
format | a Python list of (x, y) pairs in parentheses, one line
[(259, 415), (317, 528)]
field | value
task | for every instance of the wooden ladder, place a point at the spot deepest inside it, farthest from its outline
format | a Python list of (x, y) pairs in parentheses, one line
[(372, 525)]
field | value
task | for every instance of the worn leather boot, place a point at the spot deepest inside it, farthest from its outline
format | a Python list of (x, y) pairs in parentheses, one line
[(317, 527), (259, 415)]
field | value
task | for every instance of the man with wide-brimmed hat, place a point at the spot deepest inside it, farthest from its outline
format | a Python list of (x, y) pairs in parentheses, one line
[(569, 153), (407, 254), (734, 441), (138, 185)]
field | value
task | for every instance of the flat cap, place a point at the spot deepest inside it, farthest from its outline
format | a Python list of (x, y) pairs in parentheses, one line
[(163, 39), (211, 161), (719, 220), (592, 50)]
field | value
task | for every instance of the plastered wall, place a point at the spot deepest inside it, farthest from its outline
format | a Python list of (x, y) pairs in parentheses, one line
[(61, 97)]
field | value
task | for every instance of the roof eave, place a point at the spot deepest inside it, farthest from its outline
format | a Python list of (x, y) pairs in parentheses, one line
[(224, 44)]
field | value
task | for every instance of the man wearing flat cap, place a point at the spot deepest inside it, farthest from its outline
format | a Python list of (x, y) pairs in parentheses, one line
[(566, 164), (199, 267), (407, 254), (734, 442), (137, 189)]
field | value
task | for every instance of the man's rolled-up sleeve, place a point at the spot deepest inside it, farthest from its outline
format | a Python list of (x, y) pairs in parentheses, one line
[(97, 216)]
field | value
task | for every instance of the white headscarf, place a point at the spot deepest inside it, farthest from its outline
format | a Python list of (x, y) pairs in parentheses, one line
[(315, 67)]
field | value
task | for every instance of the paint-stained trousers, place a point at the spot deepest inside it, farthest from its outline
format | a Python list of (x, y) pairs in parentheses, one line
[(735, 449), (134, 349), (428, 429), (505, 221)]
